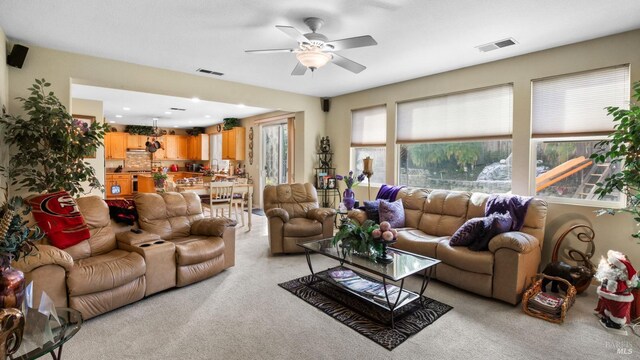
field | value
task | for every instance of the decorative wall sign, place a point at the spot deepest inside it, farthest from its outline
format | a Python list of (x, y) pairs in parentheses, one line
[(251, 145)]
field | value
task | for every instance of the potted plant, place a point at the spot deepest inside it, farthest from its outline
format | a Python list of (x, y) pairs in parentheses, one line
[(348, 196), (16, 242), (353, 237), (230, 123), (159, 180), (622, 147), (50, 146)]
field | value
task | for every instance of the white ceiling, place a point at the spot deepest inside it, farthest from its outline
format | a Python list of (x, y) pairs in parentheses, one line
[(143, 107), (415, 37)]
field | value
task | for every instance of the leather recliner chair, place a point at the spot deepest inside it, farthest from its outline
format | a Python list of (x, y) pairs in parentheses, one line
[(295, 217)]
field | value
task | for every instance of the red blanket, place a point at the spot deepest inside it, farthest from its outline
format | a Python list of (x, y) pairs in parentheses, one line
[(58, 216)]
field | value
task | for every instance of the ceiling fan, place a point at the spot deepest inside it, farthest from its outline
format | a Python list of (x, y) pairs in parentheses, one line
[(315, 50)]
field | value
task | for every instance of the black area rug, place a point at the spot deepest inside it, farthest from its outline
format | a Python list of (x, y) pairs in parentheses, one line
[(366, 318)]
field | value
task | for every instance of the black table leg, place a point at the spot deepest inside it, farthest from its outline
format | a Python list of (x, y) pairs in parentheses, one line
[(426, 277)]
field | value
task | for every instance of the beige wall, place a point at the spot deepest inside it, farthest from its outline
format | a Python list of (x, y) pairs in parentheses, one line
[(92, 108), (62, 69), (611, 232), (4, 101)]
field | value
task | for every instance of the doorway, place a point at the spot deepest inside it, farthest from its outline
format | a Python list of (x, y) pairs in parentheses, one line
[(275, 154)]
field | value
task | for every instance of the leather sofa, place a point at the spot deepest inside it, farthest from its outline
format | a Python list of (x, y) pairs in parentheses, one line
[(111, 270), (295, 217), (503, 272)]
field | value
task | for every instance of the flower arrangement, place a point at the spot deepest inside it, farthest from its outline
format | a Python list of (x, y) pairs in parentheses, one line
[(16, 236), (358, 238), (350, 180), (159, 179)]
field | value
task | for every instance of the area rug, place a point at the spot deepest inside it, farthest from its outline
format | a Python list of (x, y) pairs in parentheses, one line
[(365, 318), (256, 211)]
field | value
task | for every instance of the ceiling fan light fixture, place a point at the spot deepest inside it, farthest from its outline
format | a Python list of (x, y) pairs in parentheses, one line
[(313, 58)]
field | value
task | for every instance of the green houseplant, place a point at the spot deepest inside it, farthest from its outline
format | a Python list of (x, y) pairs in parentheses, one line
[(622, 148), (230, 123), (49, 147), (357, 238), (139, 130)]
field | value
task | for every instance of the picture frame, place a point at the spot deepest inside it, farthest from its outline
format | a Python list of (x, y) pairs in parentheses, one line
[(321, 182), (86, 119), (331, 183)]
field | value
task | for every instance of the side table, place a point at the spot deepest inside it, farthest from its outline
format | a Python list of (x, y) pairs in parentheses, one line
[(70, 324)]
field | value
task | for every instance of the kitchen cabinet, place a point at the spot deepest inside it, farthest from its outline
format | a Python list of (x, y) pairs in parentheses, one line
[(136, 142), (176, 147), (123, 180), (198, 148), (115, 145), (233, 144)]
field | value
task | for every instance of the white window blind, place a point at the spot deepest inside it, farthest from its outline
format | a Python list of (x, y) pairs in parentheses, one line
[(575, 104), (472, 115), (369, 127)]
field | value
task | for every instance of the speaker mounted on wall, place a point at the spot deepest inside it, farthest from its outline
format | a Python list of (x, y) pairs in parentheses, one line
[(326, 104), (17, 56)]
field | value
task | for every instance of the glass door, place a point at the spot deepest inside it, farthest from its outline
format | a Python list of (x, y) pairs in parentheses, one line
[(275, 154)]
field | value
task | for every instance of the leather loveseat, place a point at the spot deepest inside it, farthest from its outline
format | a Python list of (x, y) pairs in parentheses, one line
[(295, 217), (503, 272), (111, 270)]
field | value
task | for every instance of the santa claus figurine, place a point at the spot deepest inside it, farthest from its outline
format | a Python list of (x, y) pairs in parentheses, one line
[(617, 278)]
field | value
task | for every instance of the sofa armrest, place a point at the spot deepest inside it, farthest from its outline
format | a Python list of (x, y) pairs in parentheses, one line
[(360, 216), (320, 214), (515, 240), (281, 213), (132, 239), (211, 226), (44, 255)]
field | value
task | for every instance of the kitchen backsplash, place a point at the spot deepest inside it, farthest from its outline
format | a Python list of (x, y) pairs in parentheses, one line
[(138, 160)]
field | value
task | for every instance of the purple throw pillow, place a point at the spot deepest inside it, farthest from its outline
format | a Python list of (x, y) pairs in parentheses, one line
[(494, 224), (393, 212), (469, 231), (372, 208)]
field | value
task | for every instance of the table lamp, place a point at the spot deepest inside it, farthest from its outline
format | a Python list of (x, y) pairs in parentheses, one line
[(368, 171)]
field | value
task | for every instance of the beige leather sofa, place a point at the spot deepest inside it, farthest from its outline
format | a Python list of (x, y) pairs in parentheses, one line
[(108, 271), (503, 272), (295, 217)]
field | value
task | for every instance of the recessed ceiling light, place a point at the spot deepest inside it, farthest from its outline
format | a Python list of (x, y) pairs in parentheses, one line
[(175, 126), (126, 108), (190, 122), (113, 122), (168, 112), (118, 116), (241, 105), (156, 119), (207, 116), (195, 99)]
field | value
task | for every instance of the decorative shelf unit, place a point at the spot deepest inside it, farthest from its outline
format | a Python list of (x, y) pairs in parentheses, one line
[(328, 195)]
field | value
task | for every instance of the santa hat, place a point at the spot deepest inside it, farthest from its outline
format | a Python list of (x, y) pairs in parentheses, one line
[(621, 261)]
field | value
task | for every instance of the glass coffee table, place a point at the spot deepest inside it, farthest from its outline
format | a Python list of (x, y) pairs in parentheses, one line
[(404, 264), (33, 346)]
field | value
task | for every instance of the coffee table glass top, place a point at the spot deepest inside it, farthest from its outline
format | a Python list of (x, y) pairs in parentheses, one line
[(404, 263), (34, 344)]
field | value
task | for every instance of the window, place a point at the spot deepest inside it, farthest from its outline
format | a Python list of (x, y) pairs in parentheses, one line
[(568, 119), (457, 141), (369, 138)]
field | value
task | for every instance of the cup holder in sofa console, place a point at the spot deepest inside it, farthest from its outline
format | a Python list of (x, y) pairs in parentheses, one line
[(145, 245), (159, 242)]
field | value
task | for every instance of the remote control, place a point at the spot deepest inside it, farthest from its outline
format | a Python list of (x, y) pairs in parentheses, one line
[(136, 231)]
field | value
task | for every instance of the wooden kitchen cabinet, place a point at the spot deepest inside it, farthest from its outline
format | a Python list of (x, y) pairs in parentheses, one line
[(115, 145), (136, 141), (176, 147), (124, 180), (198, 148), (233, 144)]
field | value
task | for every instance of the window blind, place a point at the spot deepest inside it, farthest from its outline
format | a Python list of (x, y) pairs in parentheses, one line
[(574, 105), (472, 115), (369, 126)]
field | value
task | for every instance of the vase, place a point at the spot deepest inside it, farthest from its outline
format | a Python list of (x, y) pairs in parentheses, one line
[(348, 198), (11, 287)]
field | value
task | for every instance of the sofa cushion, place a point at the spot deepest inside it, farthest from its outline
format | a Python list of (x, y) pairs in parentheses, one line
[(372, 209), (392, 212), (295, 199), (444, 212), (463, 258), (418, 242), (493, 225), (104, 272), (196, 249), (302, 227), (170, 214)]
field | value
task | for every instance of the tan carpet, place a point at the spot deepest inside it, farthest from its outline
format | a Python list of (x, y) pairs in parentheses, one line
[(243, 314)]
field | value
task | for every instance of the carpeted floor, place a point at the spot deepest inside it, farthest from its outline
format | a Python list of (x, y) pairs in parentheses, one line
[(243, 314)]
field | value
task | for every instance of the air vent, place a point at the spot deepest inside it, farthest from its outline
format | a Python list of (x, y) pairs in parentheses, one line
[(210, 72), (497, 45), (177, 109)]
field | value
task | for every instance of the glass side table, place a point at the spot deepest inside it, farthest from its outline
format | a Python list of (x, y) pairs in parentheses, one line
[(70, 323)]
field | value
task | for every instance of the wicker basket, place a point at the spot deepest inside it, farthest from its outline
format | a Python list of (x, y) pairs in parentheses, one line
[(536, 287)]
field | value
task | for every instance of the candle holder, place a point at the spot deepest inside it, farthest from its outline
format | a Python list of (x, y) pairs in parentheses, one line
[(368, 172), (383, 257)]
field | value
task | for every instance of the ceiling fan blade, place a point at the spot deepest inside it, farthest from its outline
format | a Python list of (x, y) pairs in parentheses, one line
[(299, 69), (293, 33), (350, 65), (354, 42), (267, 51)]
